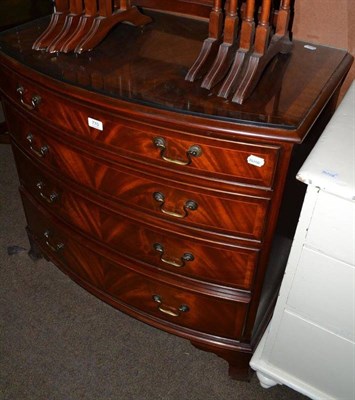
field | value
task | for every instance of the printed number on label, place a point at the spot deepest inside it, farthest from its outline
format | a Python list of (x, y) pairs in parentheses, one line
[(96, 124), (255, 160)]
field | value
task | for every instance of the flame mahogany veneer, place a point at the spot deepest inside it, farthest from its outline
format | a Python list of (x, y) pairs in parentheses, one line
[(159, 199)]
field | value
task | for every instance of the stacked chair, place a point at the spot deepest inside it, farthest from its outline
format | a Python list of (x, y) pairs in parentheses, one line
[(241, 43), (80, 26), (244, 36)]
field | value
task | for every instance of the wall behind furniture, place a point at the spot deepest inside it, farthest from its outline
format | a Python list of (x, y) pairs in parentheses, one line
[(16, 12), (327, 22)]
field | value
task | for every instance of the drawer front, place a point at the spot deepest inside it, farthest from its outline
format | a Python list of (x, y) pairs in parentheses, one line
[(332, 227), (323, 292), (165, 301), (154, 247), (313, 356), (236, 214), (236, 162)]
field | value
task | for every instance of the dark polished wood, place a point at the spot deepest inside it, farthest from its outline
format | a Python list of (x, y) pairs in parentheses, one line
[(226, 49), (156, 197), (246, 40), (210, 45), (211, 212), (119, 72), (196, 8), (79, 26), (105, 20), (266, 47), (70, 25), (16, 12), (56, 24), (136, 289)]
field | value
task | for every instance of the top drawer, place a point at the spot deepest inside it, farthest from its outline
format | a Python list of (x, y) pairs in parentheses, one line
[(332, 228), (236, 162)]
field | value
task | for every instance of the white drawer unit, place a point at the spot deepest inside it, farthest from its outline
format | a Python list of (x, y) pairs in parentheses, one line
[(310, 342)]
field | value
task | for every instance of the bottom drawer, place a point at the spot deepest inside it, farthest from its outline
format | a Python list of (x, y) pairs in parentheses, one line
[(307, 354), (323, 292), (145, 294)]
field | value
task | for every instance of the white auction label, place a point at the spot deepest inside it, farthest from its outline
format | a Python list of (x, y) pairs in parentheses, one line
[(309, 47), (255, 160), (96, 124)]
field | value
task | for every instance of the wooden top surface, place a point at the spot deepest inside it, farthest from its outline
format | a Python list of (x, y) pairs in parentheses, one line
[(146, 67)]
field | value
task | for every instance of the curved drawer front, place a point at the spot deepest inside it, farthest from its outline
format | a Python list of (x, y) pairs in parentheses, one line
[(165, 301), (148, 244), (180, 152), (233, 214)]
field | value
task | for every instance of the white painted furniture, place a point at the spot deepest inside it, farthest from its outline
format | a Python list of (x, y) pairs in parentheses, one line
[(309, 345)]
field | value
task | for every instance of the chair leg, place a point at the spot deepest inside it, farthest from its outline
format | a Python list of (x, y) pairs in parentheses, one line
[(226, 50), (210, 45), (246, 41)]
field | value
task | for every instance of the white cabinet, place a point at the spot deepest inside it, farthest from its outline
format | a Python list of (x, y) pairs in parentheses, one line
[(310, 341)]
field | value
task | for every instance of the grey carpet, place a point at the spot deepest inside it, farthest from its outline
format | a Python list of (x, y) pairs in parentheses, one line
[(58, 342)]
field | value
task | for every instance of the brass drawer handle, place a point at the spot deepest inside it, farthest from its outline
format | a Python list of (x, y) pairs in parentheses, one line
[(178, 264), (51, 198), (41, 152), (35, 100), (54, 247), (189, 205), (172, 311), (193, 151)]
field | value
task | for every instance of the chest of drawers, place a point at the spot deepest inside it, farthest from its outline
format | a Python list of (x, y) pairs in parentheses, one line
[(155, 197)]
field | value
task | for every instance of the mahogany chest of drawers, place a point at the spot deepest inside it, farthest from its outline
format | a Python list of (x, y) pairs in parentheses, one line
[(158, 198)]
